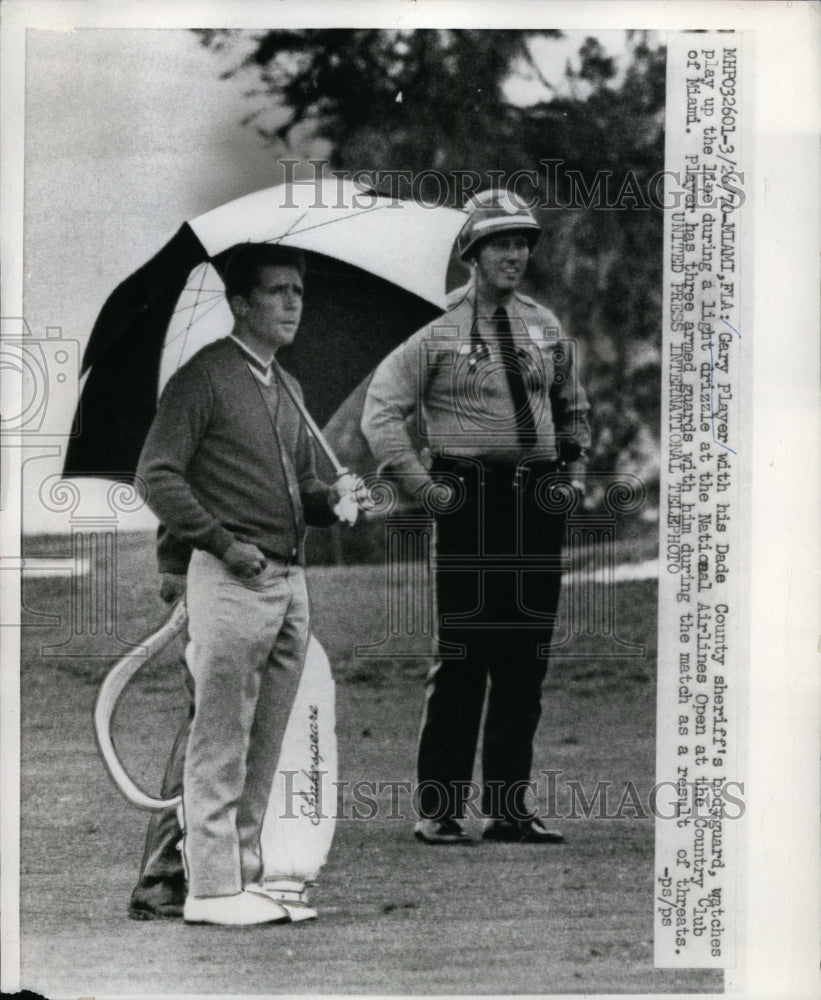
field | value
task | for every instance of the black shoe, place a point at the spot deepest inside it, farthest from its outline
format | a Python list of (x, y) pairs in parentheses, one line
[(527, 831), (440, 831), (157, 899)]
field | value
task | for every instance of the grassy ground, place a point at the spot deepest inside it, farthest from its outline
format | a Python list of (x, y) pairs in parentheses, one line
[(396, 917)]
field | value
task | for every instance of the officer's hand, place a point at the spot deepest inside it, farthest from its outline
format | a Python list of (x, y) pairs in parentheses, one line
[(172, 587), (244, 559)]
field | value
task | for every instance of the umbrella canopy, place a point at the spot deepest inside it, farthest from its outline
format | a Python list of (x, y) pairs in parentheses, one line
[(376, 271)]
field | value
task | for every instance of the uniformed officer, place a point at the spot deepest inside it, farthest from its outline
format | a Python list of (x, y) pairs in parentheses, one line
[(491, 391)]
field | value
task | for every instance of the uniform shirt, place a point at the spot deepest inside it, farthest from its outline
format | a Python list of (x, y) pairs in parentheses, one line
[(228, 458), (446, 386)]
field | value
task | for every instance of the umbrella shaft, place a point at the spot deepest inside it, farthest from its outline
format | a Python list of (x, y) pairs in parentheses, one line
[(316, 433)]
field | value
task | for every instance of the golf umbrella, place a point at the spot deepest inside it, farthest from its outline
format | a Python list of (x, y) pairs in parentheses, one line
[(376, 270)]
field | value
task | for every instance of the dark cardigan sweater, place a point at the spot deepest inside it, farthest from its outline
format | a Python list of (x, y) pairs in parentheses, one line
[(228, 458)]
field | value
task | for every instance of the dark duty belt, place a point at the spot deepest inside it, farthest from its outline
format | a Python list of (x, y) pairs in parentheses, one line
[(495, 475)]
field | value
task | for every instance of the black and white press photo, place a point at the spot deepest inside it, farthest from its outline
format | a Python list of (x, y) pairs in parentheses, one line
[(409, 493)]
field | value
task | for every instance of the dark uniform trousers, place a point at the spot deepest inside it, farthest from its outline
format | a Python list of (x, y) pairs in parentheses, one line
[(162, 856), (497, 584)]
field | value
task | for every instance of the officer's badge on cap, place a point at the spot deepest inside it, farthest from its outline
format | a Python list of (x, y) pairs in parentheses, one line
[(493, 212)]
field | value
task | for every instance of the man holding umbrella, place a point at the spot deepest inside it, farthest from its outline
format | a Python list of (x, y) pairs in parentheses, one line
[(228, 468), (495, 395)]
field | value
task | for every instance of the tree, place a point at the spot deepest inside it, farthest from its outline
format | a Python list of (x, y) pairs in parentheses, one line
[(391, 100)]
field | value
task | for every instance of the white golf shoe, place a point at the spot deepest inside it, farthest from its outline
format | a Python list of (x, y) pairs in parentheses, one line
[(291, 895), (240, 910)]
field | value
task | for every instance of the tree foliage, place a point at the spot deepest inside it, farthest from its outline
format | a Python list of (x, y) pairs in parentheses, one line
[(420, 99), (393, 99)]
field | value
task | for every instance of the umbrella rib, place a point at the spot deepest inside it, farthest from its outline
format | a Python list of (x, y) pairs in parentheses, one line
[(209, 291), (289, 230), (213, 305), (187, 329), (217, 295), (321, 225)]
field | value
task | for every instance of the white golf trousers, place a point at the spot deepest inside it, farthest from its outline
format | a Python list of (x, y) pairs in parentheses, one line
[(246, 650)]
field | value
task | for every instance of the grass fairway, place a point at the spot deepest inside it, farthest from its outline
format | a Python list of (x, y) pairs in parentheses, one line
[(395, 916)]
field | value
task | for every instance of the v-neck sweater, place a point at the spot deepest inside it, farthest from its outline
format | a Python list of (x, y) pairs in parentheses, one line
[(228, 458)]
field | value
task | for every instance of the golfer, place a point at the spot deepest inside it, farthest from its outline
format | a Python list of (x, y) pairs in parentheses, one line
[(492, 390), (228, 468)]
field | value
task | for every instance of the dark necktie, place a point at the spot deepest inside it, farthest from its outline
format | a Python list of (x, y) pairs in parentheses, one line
[(525, 425)]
